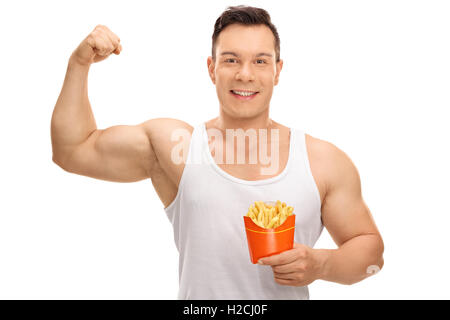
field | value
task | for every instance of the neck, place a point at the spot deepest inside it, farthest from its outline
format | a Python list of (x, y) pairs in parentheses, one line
[(261, 121)]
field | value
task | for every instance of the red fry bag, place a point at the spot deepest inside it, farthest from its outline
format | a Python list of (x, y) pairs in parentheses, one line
[(266, 242)]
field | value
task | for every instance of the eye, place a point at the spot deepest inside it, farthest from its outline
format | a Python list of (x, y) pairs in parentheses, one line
[(227, 60), (263, 61)]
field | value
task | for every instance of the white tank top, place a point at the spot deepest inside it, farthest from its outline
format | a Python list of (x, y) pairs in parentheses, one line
[(207, 218)]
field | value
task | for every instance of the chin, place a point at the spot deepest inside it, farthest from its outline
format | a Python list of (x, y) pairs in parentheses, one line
[(243, 113)]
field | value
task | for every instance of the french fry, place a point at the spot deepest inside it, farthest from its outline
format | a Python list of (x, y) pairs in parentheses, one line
[(282, 216), (269, 216), (277, 223), (279, 207), (260, 216), (272, 222), (258, 205)]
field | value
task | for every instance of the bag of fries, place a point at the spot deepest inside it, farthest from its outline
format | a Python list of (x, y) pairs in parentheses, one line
[(270, 228)]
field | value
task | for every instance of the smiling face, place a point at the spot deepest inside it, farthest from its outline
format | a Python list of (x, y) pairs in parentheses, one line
[(244, 64)]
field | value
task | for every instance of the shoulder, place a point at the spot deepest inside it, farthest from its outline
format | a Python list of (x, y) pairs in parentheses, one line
[(169, 139), (326, 151), (332, 165), (165, 133), (161, 127)]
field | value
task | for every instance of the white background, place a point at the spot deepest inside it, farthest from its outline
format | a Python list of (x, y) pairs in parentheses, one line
[(372, 77)]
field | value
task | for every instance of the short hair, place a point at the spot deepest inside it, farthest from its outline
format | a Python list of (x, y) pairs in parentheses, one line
[(244, 15)]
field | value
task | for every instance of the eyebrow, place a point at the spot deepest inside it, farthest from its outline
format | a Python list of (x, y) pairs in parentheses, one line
[(236, 55)]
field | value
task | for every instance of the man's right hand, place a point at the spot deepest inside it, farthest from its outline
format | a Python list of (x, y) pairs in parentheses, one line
[(97, 46)]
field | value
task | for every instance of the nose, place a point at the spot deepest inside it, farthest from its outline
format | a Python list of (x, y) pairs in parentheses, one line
[(245, 73)]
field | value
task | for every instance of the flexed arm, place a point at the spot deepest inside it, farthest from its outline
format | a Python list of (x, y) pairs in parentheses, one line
[(119, 153)]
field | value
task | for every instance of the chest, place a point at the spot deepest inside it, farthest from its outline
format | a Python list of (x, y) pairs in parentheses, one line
[(253, 161), (270, 167), (166, 188)]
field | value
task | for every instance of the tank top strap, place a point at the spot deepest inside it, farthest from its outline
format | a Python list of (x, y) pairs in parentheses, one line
[(295, 149), (196, 147)]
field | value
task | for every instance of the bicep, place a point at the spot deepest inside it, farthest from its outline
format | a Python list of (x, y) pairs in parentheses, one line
[(344, 212), (121, 153)]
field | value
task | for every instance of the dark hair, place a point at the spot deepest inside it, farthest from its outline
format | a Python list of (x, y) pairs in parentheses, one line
[(246, 16)]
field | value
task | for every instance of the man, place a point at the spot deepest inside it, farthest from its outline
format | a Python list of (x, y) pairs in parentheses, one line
[(205, 197)]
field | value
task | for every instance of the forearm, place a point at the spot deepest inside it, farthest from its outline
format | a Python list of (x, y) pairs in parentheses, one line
[(72, 119), (349, 263)]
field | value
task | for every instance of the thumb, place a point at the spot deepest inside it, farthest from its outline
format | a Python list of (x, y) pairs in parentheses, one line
[(118, 49)]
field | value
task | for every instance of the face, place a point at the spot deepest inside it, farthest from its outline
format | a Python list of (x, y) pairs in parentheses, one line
[(245, 61)]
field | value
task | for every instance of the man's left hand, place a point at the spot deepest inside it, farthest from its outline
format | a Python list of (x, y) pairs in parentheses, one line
[(298, 267)]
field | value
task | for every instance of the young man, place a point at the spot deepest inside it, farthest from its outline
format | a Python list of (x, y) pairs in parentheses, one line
[(206, 197)]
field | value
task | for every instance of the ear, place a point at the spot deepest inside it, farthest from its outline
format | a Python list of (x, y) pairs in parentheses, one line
[(279, 66), (211, 67)]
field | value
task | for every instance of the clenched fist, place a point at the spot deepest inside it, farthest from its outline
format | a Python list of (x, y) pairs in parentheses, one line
[(97, 46)]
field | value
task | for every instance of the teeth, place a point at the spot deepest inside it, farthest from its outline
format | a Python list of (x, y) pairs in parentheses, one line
[(243, 93)]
